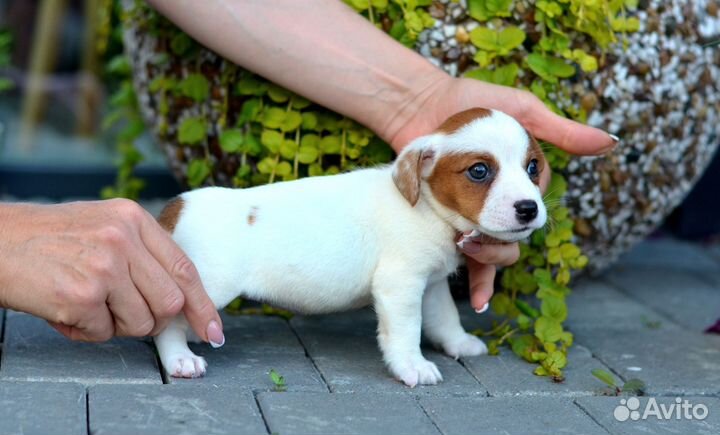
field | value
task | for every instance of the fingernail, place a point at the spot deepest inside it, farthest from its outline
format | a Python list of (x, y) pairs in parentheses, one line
[(215, 335), (461, 243), (484, 308), (614, 138)]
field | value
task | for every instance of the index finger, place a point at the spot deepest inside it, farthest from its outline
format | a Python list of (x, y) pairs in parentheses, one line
[(199, 309), (482, 278), (569, 135)]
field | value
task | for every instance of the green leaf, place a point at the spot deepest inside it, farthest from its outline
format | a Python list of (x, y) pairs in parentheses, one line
[(119, 66), (272, 140), (5, 84), (634, 387), (250, 110), (283, 168), (231, 140), (273, 117), (195, 86), (277, 380), (330, 145), (500, 304), (198, 170), (554, 308), (524, 322), (292, 121), (555, 361), (251, 85), (504, 75), (359, 5), (180, 43), (526, 308), (605, 377), (192, 131), (569, 250), (500, 41), (547, 329), (278, 94), (309, 121), (483, 10), (288, 148), (540, 371), (315, 170), (252, 145), (523, 346), (549, 68), (307, 154), (298, 102), (266, 165)]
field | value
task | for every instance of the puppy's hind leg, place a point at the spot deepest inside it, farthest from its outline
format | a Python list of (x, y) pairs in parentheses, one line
[(176, 357), (441, 323)]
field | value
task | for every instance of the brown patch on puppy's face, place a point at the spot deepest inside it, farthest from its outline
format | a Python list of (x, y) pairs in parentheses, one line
[(534, 152), (171, 213), (461, 119), (454, 184)]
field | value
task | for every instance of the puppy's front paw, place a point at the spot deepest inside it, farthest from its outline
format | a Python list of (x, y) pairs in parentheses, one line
[(186, 365), (416, 371), (464, 345)]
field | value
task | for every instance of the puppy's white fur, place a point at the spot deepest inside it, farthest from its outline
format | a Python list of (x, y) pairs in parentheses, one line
[(326, 244)]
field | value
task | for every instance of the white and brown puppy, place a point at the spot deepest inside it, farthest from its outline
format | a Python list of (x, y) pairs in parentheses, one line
[(383, 236)]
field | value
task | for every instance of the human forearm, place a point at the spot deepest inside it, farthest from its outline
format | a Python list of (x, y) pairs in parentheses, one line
[(320, 49)]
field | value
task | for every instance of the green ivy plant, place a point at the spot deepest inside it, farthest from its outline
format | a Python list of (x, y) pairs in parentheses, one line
[(5, 46), (266, 133), (568, 38), (123, 119), (632, 387)]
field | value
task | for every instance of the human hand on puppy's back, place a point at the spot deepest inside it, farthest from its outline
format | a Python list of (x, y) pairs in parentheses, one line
[(98, 269)]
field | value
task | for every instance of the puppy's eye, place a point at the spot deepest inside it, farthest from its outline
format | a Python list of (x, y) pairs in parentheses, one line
[(478, 172), (532, 168)]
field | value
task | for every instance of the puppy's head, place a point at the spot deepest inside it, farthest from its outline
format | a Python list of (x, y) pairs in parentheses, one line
[(480, 170)]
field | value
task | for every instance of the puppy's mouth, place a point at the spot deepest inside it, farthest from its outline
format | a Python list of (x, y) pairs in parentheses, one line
[(513, 235)]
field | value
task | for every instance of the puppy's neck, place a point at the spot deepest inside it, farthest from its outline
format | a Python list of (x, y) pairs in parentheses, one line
[(446, 220)]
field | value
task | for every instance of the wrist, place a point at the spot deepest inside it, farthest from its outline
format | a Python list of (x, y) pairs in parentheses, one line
[(8, 213)]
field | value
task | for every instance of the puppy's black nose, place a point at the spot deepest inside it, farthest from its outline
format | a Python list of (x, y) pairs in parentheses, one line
[(526, 210)]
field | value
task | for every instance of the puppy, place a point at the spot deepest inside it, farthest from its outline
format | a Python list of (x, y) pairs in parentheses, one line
[(383, 236)]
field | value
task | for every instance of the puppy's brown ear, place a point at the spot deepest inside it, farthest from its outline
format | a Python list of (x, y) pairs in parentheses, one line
[(407, 172)]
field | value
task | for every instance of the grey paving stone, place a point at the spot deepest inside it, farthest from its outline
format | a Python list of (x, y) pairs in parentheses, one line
[(253, 346), (260, 334), (233, 365), (681, 296), (508, 415), (602, 409), (668, 253), (173, 410), (41, 408), (344, 349), (670, 362), (621, 333), (595, 305), (509, 375), (338, 414), (33, 351)]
